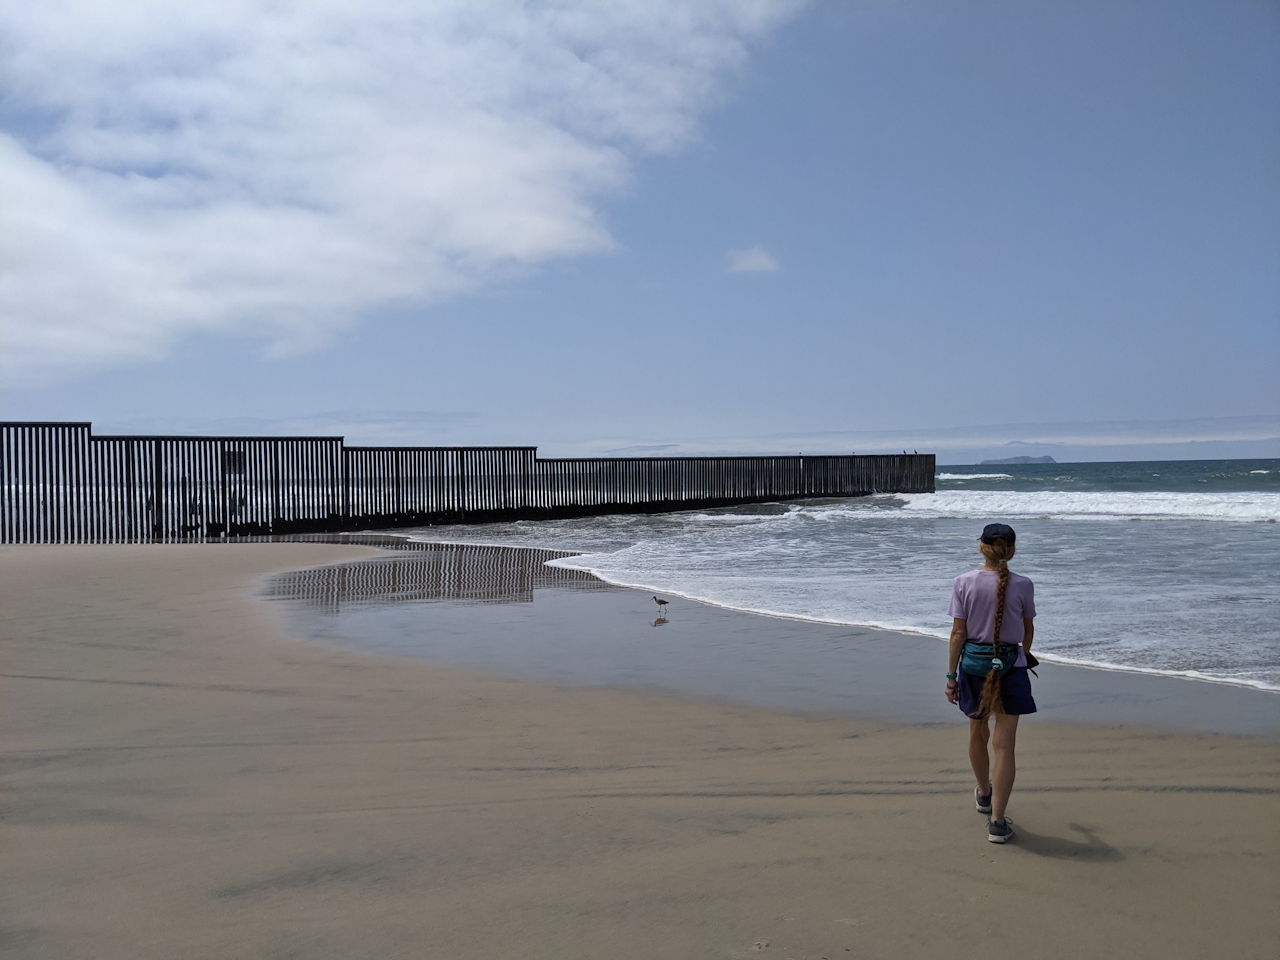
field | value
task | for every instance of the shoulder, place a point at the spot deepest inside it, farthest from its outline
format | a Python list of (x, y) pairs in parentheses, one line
[(1021, 581), (966, 578)]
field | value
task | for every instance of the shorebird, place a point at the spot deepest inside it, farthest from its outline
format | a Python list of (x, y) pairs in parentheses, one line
[(661, 603)]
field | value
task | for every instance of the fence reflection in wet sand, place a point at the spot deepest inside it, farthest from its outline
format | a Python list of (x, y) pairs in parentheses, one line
[(427, 572)]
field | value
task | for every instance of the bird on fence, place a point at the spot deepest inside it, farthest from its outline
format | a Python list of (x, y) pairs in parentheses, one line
[(662, 604)]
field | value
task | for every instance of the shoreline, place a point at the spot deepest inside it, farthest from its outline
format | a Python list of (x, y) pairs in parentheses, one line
[(906, 631), (184, 778), (604, 637), (562, 558)]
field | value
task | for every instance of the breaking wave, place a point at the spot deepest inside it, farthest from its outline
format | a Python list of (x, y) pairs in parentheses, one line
[(1256, 507)]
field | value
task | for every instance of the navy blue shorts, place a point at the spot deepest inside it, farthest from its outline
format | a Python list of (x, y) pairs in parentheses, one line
[(1015, 692)]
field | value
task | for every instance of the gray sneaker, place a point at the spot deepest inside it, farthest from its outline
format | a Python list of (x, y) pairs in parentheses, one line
[(982, 801), (1000, 832)]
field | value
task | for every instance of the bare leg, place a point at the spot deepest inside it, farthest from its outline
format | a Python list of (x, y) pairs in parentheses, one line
[(978, 758), (1004, 741)]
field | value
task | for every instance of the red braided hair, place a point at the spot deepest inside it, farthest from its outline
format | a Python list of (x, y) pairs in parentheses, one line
[(1000, 552)]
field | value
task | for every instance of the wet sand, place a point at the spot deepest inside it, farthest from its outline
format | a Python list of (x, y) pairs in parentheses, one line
[(182, 778), (502, 610)]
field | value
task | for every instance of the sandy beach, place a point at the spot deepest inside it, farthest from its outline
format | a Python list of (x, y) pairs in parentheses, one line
[(184, 778)]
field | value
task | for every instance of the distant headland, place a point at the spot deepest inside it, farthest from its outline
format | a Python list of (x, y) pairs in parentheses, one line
[(1018, 460)]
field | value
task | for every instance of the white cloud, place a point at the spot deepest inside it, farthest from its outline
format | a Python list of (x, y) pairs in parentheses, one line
[(755, 260), (284, 168)]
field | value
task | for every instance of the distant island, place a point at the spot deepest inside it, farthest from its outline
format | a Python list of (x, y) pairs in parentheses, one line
[(1018, 460)]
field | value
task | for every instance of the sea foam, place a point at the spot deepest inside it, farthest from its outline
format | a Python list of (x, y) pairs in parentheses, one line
[(1120, 505)]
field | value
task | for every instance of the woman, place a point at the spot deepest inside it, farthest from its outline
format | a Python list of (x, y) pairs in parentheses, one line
[(985, 604)]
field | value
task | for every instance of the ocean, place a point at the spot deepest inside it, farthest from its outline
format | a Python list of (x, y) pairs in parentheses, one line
[(1161, 567)]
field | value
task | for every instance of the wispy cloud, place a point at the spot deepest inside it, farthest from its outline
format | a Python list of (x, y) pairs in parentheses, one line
[(394, 427), (284, 169), (1226, 437), (755, 260)]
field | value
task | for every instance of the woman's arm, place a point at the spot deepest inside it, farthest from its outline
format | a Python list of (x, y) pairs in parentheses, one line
[(959, 634), (1028, 633)]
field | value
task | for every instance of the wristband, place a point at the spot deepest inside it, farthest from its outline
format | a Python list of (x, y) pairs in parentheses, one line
[(952, 676)]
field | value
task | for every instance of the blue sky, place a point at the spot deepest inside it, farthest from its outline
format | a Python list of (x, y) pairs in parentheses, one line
[(754, 228)]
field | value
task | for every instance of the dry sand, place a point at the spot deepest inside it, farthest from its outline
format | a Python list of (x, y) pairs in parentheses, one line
[(181, 780)]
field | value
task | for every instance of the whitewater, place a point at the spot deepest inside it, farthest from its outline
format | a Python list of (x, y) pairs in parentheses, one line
[(1165, 568)]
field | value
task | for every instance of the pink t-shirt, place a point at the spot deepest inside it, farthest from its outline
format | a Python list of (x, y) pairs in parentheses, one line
[(973, 599)]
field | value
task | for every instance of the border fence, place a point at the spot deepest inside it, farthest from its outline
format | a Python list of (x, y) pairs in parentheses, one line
[(61, 484)]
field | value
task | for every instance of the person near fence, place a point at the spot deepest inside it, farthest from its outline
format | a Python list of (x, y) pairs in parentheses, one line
[(993, 623)]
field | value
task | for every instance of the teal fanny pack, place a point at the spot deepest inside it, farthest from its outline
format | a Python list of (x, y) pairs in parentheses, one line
[(979, 659)]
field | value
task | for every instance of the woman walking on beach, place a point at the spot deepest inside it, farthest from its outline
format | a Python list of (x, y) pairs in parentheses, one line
[(987, 679)]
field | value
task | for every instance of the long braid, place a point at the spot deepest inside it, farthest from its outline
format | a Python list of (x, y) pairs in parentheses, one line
[(991, 701), (1002, 584)]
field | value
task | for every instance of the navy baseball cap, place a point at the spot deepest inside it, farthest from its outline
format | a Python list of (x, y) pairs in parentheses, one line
[(998, 531)]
